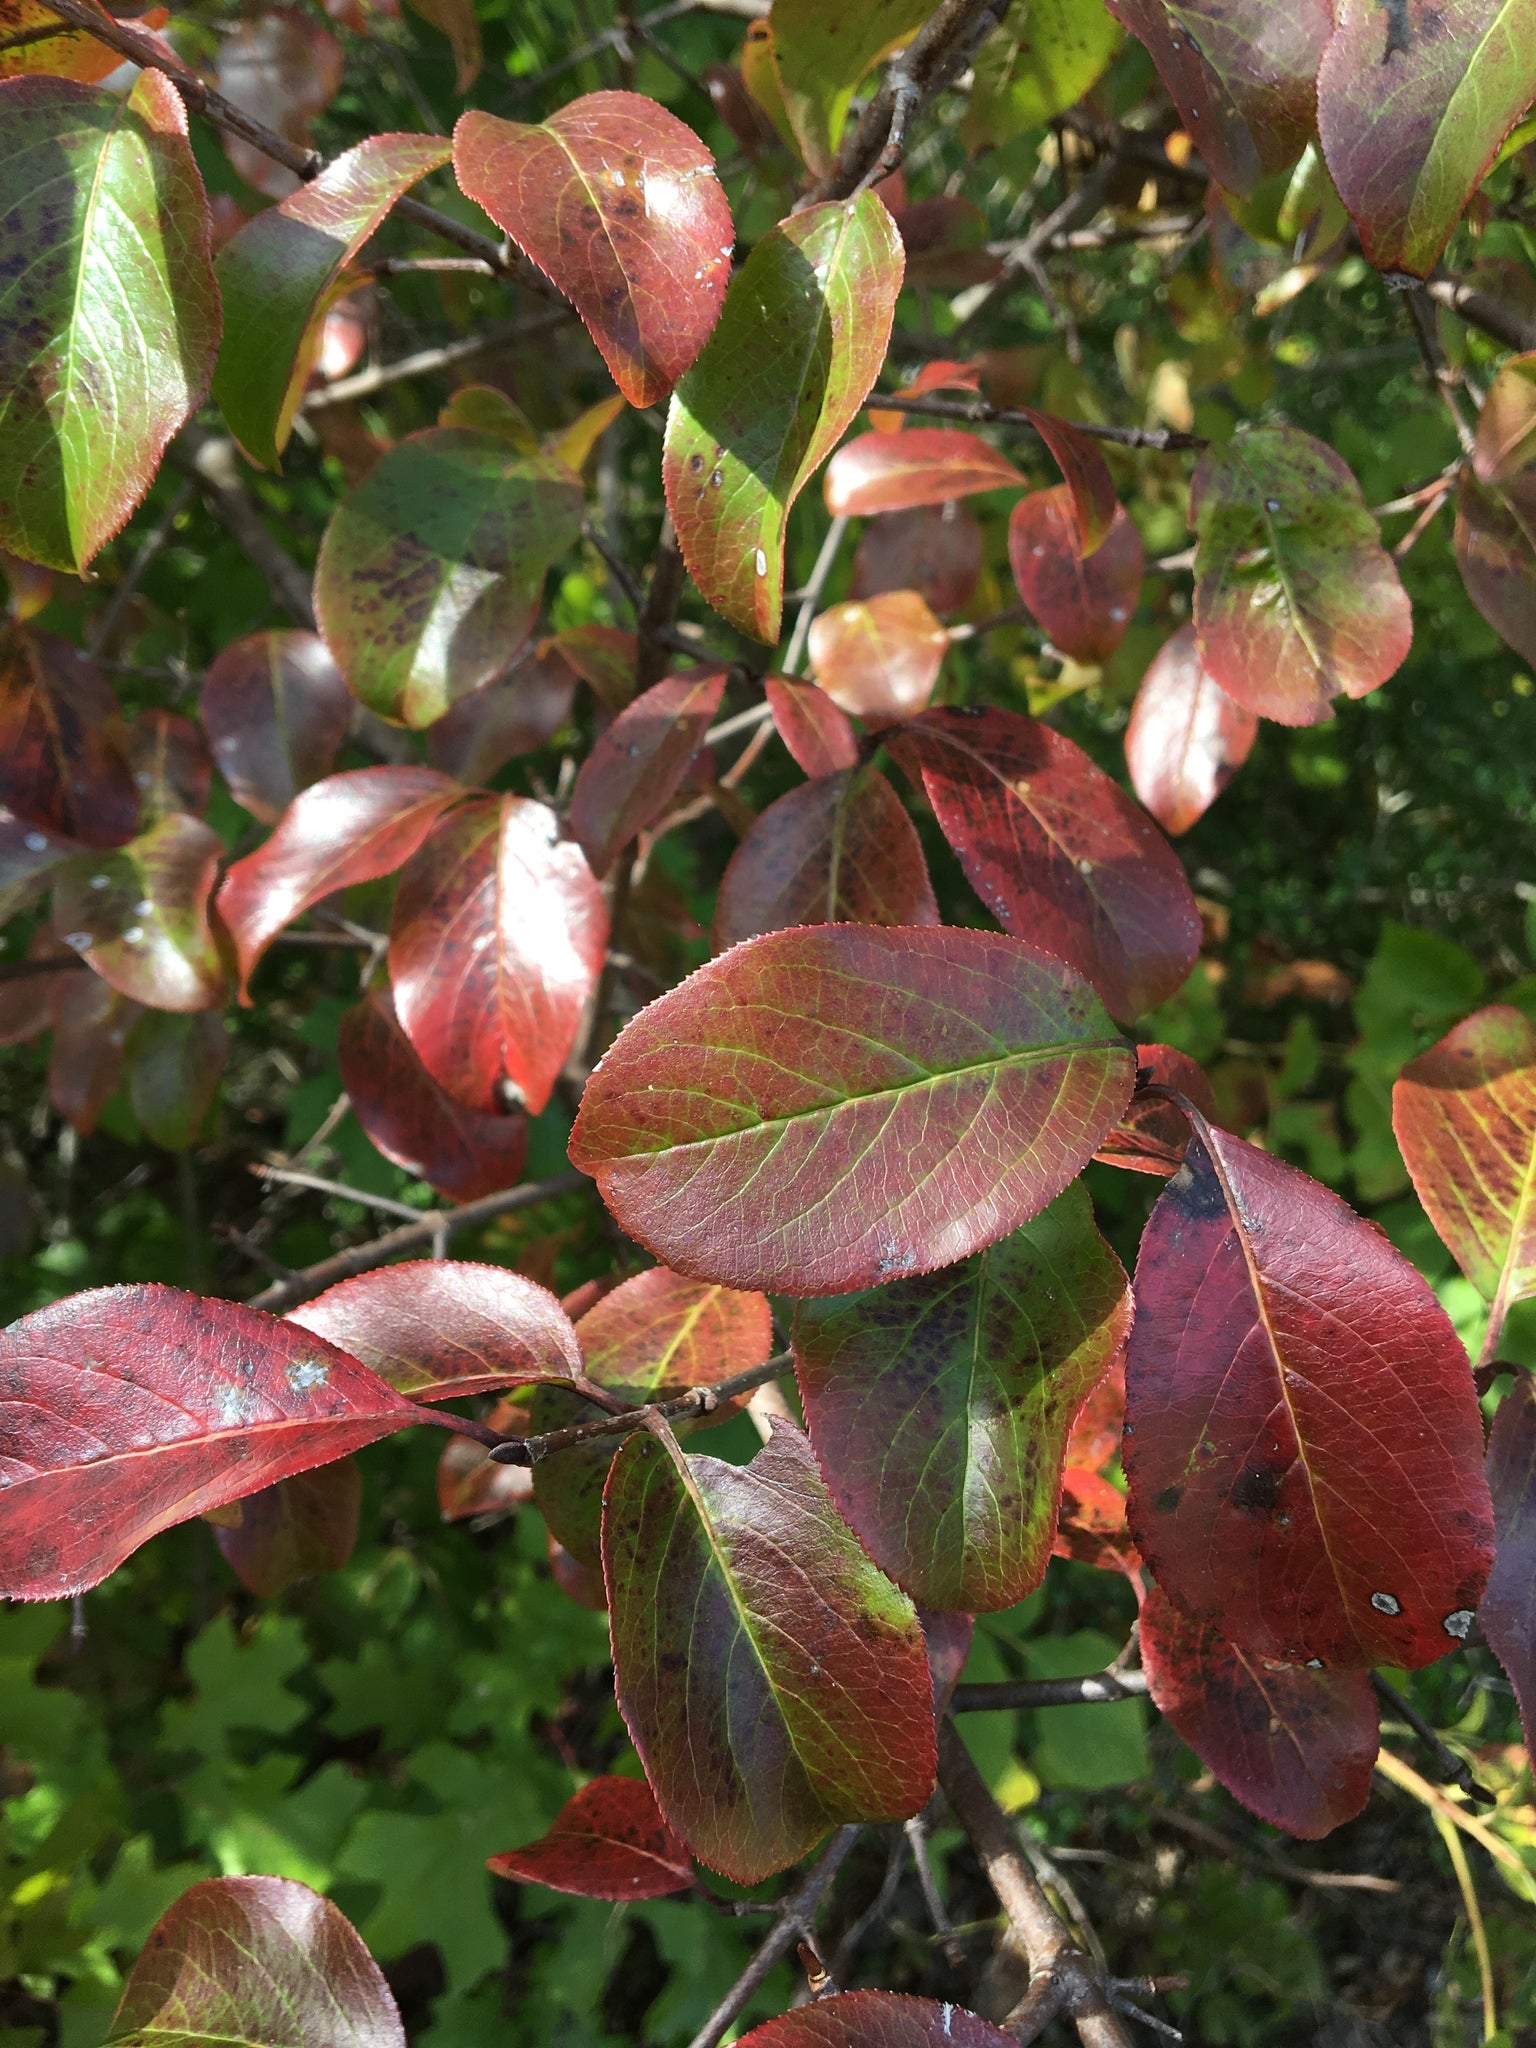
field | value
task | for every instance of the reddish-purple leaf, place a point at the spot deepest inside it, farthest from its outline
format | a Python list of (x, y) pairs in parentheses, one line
[(773, 1680), (1058, 852), (1086, 475), (877, 2019), (462, 1152), (497, 941), (1508, 1611), (935, 550), (62, 763), (1496, 553), (129, 1409), (139, 915), (1151, 1136), (170, 764), (30, 858), (295, 1530), (1294, 1746), (1082, 604), (349, 828), (880, 660), (939, 1407), (893, 1101), (819, 738), (639, 764), (516, 715), (1187, 738), (1296, 599), (618, 204), (1505, 446), (1302, 1436), (439, 1328), (175, 1063), (256, 1959), (275, 710), (880, 472), (608, 1842), (91, 1025), (838, 850), (605, 658), (470, 1484)]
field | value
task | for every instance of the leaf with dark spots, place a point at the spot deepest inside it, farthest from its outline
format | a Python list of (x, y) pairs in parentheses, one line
[(878, 660), (608, 1842), (895, 1100), (939, 1407), (125, 1410), (1294, 1746), (1297, 1383), (1151, 1136), (1187, 738), (62, 761), (1083, 604), (935, 550), (618, 203), (639, 764), (819, 738), (497, 941), (773, 1680), (880, 472), (276, 711), (1056, 851), (876, 2019), (139, 915), (295, 1530), (1507, 1615)]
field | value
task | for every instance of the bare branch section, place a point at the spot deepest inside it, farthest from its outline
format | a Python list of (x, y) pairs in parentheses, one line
[(1097, 1690), (530, 1450)]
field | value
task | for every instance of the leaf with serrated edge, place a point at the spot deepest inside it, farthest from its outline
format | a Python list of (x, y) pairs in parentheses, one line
[(638, 765), (608, 1842), (879, 472), (877, 2019), (1186, 738), (139, 915)]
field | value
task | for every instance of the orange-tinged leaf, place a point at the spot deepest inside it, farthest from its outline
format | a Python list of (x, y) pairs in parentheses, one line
[(882, 472), (1082, 604), (878, 659), (638, 765), (936, 376)]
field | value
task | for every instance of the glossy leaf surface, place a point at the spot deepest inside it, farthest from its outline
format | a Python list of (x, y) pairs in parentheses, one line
[(1508, 1612), (129, 1409), (939, 1406), (638, 765), (821, 54), (876, 2019), (880, 659), (275, 274), (497, 942), (1296, 600), (751, 423), (774, 1682), (276, 711), (617, 202), (819, 738), (1187, 738), (879, 472), (838, 850), (295, 1530), (935, 550), (894, 1101), (430, 573), (33, 38), (1086, 475), (139, 915), (63, 762), (109, 320), (1043, 58), (1294, 1746), (1057, 852), (608, 1842), (1302, 1437), (1082, 604)]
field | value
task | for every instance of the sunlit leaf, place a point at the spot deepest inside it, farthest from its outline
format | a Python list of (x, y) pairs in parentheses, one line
[(34, 39), (638, 765), (139, 915), (1187, 738), (819, 738), (1082, 604), (276, 711), (1046, 55), (608, 1842), (821, 54), (295, 1530), (878, 472), (878, 659)]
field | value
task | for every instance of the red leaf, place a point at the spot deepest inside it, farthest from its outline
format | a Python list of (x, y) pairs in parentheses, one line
[(935, 376), (1302, 1438), (1091, 1524), (470, 1485), (659, 1333), (605, 658), (894, 1100), (497, 941), (608, 1842), (295, 1530), (129, 1409), (819, 738), (1094, 1441), (840, 849), (1508, 1611), (1086, 475), (62, 764), (618, 203), (1082, 604), (878, 660), (30, 859), (27, 1005), (1496, 554), (350, 828), (462, 1152), (877, 2019), (275, 710), (1056, 851), (639, 764), (935, 550), (924, 466), (439, 1328), (1151, 1136), (517, 715), (1296, 1747), (1187, 738)]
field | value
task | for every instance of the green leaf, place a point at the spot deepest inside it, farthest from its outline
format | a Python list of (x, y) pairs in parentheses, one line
[(277, 272), (1044, 58), (798, 346), (822, 49), (139, 914), (109, 315)]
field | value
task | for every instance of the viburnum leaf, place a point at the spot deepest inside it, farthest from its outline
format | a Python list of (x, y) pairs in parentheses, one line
[(1093, 1442), (1296, 600), (63, 760), (496, 943), (27, 1004), (1187, 738), (174, 1065), (260, 1960), (1244, 87), (276, 711), (29, 859), (938, 375), (1082, 603), (822, 54), (275, 276), (818, 735), (938, 1407), (295, 1530), (1043, 59), (1302, 1436), (1151, 1136), (1056, 851), (876, 2019), (837, 850), (1091, 1526), (1086, 475), (128, 1409), (935, 550), (1505, 444), (878, 660), (91, 1027), (111, 318), (1413, 102), (438, 1328), (1507, 1615), (282, 67), (894, 1100), (1465, 1118), (806, 1700), (608, 1842), (880, 472), (462, 1152), (1496, 508), (1294, 1746), (461, 25), (139, 914), (749, 425), (431, 571), (350, 828), (638, 765), (617, 202), (605, 657)]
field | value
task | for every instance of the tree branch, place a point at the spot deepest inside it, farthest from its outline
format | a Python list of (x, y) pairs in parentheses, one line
[(979, 413), (1451, 1769), (210, 460), (1098, 1690), (529, 1450)]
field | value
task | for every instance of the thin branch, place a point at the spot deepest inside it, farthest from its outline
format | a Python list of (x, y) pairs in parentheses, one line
[(428, 361), (979, 413), (287, 1176), (256, 1253), (149, 547), (1478, 310), (31, 970), (529, 1450), (210, 460), (1274, 1866), (1078, 209), (810, 597), (1099, 1690), (1449, 1767), (916, 1832)]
